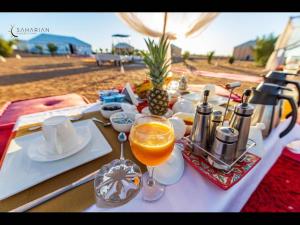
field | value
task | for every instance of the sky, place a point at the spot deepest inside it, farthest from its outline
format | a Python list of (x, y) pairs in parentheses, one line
[(225, 32)]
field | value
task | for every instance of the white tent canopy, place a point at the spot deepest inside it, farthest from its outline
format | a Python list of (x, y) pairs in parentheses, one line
[(174, 25), (288, 41)]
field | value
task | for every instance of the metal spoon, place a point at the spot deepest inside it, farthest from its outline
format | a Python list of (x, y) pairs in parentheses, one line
[(122, 138), (34, 128), (76, 117), (100, 121)]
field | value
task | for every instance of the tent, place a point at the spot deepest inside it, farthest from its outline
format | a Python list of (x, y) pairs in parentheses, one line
[(123, 48), (287, 43)]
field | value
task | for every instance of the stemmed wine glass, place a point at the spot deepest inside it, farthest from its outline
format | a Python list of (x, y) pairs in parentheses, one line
[(152, 140)]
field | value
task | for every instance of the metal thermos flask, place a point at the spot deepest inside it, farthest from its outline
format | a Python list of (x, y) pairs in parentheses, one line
[(201, 127), (241, 121)]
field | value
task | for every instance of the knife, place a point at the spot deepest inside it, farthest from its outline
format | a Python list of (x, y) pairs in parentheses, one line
[(56, 193)]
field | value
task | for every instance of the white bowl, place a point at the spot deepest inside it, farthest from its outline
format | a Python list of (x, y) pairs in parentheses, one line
[(122, 127), (106, 113), (195, 98), (184, 106)]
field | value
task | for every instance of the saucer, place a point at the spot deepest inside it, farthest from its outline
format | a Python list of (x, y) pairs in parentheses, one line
[(193, 97), (172, 170), (37, 149), (217, 100), (147, 112)]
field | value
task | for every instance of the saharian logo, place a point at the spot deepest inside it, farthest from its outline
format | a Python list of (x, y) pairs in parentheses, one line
[(11, 31)]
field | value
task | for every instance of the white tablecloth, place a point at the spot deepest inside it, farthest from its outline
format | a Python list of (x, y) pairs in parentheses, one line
[(194, 192)]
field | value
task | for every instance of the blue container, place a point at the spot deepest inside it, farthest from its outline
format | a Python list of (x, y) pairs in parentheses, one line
[(107, 93), (119, 98), (108, 99)]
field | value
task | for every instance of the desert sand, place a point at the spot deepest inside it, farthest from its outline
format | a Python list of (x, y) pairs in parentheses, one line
[(39, 76)]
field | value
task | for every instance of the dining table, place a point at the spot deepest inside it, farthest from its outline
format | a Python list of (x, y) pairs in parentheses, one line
[(192, 193)]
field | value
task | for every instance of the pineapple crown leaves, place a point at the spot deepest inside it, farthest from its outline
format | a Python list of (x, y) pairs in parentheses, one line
[(156, 61)]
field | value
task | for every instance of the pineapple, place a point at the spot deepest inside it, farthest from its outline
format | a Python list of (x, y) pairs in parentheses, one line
[(158, 71)]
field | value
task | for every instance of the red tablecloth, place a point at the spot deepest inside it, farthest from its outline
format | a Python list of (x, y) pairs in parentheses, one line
[(279, 191)]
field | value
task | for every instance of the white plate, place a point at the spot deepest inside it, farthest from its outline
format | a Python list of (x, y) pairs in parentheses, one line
[(217, 100), (147, 112), (37, 149), (193, 97), (19, 172), (198, 97), (172, 170)]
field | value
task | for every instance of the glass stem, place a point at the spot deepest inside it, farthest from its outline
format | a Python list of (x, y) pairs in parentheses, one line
[(122, 152), (151, 181)]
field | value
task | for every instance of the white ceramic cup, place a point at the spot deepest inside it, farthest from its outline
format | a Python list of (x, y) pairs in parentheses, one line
[(59, 134)]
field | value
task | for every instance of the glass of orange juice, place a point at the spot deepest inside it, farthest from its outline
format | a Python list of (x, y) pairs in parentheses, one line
[(152, 140)]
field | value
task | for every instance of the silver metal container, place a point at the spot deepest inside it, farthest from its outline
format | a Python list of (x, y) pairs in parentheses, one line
[(216, 120), (241, 121), (266, 100), (225, 143), (201, 128)]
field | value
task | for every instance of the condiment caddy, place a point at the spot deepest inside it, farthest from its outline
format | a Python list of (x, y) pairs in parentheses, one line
[(220, 142)]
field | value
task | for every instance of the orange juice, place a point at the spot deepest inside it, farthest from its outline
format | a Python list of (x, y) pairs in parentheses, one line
[(152, 142)]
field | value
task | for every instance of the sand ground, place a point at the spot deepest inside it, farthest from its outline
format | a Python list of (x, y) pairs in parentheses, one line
[(32, 77)]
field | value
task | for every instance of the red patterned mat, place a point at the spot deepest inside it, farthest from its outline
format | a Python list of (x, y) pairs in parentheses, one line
[(279, 191), (219, 177)]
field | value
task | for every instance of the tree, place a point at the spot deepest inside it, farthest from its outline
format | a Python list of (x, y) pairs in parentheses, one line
[(101, 50), (137, 52), (264, 48), (210, 56), (231, 60), (39, 48), (186, 55), (6, 47), (13, 42), (106, 50), (52, 48)]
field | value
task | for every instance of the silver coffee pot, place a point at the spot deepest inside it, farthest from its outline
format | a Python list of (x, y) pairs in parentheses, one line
[(281, 78), (267, 109)]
